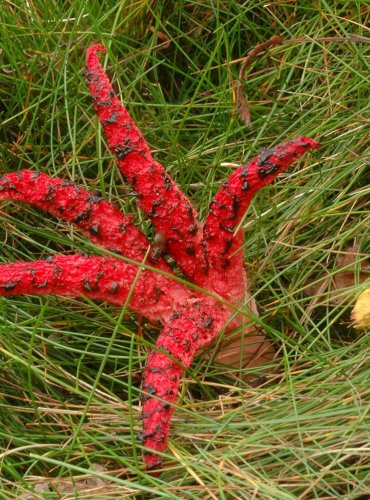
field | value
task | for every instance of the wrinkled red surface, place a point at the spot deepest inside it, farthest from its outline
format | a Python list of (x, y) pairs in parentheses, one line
[(210, 256), (158, 196), (100, 278), (104, 223), (229, 206)]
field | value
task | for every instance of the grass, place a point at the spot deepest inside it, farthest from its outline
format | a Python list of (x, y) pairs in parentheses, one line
[(70, 369)]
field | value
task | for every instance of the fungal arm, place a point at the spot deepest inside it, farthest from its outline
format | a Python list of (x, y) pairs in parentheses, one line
[(110, 280), (170, 211)]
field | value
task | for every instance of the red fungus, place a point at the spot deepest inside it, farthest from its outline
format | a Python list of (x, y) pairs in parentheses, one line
[(230, 204), (160, 198), (99, 278), (211, 256)]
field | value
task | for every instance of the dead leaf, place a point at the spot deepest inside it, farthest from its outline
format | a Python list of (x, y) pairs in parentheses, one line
[(166, 41), (361, 312), (248, 348), (336, 286), (88, 486)]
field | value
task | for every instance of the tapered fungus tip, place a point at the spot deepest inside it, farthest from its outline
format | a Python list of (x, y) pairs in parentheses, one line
[(307, 142), (153, 463), (94, 49)]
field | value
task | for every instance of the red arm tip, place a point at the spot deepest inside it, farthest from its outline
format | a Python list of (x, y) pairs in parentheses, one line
[(93, 49), (92, 54), (305, 142)]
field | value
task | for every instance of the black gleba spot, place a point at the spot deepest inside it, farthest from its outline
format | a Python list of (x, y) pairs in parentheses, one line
[(10, 285)]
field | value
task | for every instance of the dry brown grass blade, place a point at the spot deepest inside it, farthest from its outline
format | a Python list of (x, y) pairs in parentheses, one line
[(241, 99)]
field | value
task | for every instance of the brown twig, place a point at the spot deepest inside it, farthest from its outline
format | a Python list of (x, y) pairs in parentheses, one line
[(241, 99), (353, 39)]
